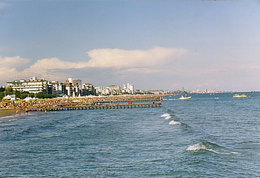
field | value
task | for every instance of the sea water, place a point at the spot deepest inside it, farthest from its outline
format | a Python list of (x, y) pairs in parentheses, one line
[(211, 135)]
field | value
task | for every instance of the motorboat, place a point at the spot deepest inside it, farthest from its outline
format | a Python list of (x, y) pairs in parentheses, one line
[(172, 99), (239, 96), (185, 98)]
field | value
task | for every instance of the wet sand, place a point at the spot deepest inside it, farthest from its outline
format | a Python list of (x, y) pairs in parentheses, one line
[(7, 112)]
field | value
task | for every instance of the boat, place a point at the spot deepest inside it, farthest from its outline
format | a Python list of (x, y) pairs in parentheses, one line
[(185, 98), (239, 96)]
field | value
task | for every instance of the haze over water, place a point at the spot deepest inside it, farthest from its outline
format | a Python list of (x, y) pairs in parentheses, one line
[(208, 136)]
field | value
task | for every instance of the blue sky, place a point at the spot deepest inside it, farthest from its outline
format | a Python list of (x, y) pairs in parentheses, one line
[(154, 44)]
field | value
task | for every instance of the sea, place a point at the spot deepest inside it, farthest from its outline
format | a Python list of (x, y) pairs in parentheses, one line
[(211, 135)]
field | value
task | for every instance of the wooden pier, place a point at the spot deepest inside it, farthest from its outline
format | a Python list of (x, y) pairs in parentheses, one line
[(94, 107)]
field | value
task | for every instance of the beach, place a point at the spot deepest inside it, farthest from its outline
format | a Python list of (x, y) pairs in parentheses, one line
[(7, 112)]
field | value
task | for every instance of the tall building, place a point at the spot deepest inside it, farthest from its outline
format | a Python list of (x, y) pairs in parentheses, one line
[(99, 90), (88, 89), (128, 88), (73, 87), (32, 85), (113, 90), (57, 88)]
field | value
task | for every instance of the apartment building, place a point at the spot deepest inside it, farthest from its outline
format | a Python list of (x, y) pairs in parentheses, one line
[(33, 85)]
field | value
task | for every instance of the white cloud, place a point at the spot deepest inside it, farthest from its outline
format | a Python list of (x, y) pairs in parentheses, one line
[(53, 63), (9, 67), (12, 62), (133, 58), (142, 61), (114, 58), (144, 67)]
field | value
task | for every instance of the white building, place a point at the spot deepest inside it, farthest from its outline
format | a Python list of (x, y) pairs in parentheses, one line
[(128, 88), (33, 85), (73, 87), (57, 87)]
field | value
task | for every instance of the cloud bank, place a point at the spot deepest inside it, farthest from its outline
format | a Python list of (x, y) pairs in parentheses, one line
[(9, 67), (136, 58), (119, 59), (155, 68)]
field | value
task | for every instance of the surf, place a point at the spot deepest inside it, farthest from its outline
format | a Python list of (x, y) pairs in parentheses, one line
[(166, 116), (173, 122), (210, 147)]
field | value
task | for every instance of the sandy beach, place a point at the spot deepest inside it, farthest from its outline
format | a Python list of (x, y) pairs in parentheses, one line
[(7, 112)]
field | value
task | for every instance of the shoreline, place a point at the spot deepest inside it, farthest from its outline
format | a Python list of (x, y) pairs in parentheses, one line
[(55, 104), (7, 112)]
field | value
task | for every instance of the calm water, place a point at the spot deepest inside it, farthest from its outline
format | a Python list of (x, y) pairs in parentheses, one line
[(208, 136)]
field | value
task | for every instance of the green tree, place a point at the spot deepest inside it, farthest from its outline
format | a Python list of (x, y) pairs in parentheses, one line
[(9, 90), (2, 89)]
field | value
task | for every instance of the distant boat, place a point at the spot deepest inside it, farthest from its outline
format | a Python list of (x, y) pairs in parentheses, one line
[(184, 98), (239, 96)]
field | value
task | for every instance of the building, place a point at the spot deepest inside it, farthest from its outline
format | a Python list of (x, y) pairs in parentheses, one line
[(73, 87), (88, 89), (32, 85), (99, 90), (128, 88), (109, 90), (113, 90), (57, 88)]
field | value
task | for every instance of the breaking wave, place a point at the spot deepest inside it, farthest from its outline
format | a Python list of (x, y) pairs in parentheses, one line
[(166, 116), (210, 147), (173, 122)]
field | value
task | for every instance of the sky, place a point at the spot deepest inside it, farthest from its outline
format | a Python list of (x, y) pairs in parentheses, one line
[(153, 44)]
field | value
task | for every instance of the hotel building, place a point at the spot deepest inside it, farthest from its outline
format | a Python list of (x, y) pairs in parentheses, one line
[(33, 85)]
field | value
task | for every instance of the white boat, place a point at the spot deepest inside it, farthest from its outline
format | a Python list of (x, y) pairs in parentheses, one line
[(172, 99), (185, 98), (240, 96)]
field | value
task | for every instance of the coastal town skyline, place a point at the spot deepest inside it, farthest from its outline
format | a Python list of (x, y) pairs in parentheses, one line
[(166, 45), (63, 87)]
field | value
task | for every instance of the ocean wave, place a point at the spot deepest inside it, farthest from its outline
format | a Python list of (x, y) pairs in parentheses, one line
[(173, 122), (169, 115), (210, 147), (166, 116)]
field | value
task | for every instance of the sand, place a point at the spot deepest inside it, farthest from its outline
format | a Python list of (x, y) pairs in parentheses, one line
[(7, 112)]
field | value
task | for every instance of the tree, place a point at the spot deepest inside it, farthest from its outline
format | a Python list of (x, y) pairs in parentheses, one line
[(2, 89), (9, 90)]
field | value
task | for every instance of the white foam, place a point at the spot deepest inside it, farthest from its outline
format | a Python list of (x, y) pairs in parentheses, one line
[(200, 146), (168, 117), (196, 147), (223, 152), (165, 115), (174, 123)]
